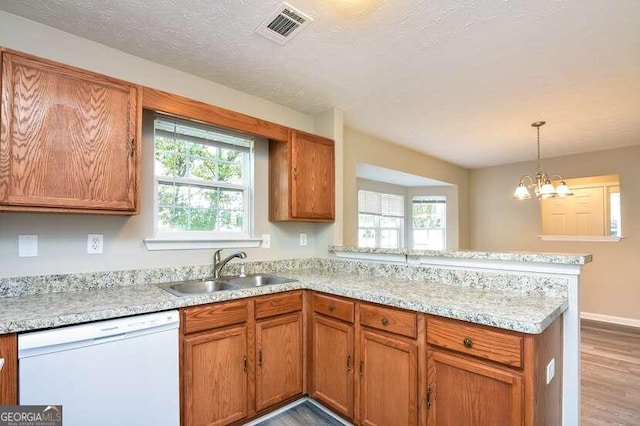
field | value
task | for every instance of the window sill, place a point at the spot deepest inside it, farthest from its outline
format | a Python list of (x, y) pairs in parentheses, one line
[(154, 244), (580, 238)]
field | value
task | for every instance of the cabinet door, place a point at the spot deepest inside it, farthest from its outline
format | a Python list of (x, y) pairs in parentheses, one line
[(388, 380), (9, 369), (463, 391), (215, 377), (332, 367), (68, 138), (279, 359), (312, 187)]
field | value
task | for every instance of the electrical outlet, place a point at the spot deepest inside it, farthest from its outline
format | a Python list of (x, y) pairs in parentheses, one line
[(27, 245), (551, 370), (303, 239), (94, 244), (266, 240)]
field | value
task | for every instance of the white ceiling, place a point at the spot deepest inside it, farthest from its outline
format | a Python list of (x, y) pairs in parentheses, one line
[(459, 79)]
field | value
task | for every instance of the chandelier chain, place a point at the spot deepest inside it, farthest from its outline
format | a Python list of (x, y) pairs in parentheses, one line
[(539, 167)]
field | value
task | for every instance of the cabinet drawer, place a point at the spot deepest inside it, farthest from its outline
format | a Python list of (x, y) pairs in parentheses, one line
[(278, 304), (476, 340), (389, 319), (333, 307), (199, 318)]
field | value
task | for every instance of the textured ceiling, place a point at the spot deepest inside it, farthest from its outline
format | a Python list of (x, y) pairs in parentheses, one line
[(459, 79)]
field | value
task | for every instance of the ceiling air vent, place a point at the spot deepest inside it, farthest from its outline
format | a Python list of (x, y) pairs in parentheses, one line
[(285, 22)]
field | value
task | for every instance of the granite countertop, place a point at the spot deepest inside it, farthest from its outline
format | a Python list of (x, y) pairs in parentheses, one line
[(498, 308), (509, 256)]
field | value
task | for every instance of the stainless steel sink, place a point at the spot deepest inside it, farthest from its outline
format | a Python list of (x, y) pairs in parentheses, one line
[(258, 280), (192, 287)]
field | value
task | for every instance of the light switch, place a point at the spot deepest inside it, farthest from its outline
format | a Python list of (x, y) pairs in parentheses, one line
[(303, 239), (266, 240), (27, 245)]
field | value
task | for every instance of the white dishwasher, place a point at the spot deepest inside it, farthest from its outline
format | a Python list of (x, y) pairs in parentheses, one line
[(116, 372)]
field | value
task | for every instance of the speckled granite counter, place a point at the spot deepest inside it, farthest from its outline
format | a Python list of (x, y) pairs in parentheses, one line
[(500, 308), (552, 258)]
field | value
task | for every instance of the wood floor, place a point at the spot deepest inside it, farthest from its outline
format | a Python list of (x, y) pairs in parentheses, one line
[(610, 375), (306, 414)]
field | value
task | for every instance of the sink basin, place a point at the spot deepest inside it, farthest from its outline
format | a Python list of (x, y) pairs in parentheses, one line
[(185, 288), (258, 280)]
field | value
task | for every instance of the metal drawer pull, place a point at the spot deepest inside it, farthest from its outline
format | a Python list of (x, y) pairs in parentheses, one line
[(331, 307), (384, 321), (467, 342)]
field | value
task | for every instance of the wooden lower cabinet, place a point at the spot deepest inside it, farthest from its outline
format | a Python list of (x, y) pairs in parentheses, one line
[(9, 370), (483, 376), (372, 364), (388, 372), (215, 381), (466, 392), (332, 364), (279, 372)]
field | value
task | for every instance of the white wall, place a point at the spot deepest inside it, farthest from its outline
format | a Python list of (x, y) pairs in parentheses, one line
[(62, 237), (362, 148), (609, 285)]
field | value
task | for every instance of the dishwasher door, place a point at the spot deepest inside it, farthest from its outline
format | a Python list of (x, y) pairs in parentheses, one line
[(117, 372)]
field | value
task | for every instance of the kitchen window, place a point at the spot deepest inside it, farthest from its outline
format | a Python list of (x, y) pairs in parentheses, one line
[(203, 180), (429, 217), (380, 220)]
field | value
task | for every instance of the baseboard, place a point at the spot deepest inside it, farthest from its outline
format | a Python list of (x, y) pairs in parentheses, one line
[(629, 322)]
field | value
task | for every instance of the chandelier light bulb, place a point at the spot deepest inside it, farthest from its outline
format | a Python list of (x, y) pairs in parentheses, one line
[(541, 183)]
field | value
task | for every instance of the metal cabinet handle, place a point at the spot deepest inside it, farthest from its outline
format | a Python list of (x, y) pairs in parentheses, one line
[(331, 307), (362, 368), (428, 396), (348, 363), (467, 342), (295, 173), (244, 363), (260, 358), (384, 321)]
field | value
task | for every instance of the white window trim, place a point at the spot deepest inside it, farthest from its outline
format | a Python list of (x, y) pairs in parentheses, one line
[(195, 240), (378, 229), (581, 238), (153, 244), (442, 228)]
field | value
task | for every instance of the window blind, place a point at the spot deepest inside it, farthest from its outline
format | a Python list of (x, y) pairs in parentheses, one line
[(173, 127), (377, 203)]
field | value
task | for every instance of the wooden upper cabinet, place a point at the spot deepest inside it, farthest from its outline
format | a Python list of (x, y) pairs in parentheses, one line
[(302, 178), (69, 139)]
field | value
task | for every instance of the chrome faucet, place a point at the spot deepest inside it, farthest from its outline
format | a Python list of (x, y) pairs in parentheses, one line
[(219, 264)]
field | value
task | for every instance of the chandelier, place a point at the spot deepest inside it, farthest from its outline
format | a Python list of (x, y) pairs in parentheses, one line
[(541, 182)]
